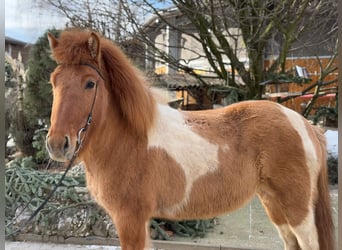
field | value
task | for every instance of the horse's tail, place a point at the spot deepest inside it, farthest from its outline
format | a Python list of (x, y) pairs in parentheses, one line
[(323, 213)]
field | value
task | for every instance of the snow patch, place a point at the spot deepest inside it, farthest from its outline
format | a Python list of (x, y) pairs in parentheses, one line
[(332, 142)]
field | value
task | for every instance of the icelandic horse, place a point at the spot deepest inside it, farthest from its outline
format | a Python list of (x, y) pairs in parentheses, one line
[(146, 160)]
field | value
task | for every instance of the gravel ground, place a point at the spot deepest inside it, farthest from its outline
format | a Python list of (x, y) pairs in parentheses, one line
[(51, 246)]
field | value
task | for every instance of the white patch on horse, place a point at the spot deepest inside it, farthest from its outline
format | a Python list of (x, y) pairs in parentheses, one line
[(288, 237), (193, 153), (312, 163)]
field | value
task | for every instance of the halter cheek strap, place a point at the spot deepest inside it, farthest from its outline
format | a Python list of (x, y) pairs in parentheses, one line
[(80, 138), (85, 127)]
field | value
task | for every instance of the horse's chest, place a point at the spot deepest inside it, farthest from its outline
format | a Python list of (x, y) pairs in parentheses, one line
[(95, 187)]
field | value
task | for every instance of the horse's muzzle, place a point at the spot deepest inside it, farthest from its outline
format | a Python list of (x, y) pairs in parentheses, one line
[(60, 148)]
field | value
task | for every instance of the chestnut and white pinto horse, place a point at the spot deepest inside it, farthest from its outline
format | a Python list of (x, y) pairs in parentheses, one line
[(145, 160)]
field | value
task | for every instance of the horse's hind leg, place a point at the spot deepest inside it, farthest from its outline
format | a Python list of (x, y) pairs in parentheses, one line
[(297, 231), (306, 233), (290, 240), (303, 236), (276, 215)]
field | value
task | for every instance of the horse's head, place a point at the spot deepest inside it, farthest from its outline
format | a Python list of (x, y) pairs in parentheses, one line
[(93, 76), (76, 94)]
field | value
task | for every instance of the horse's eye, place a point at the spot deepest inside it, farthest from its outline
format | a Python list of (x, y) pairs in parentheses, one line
[(90, 85)]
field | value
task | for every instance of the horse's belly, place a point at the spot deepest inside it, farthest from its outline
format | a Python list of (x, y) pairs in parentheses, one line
[(212, 196)]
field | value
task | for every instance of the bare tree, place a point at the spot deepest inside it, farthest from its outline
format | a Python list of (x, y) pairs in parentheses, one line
[(235, 37), (260, 28), (104, 16)]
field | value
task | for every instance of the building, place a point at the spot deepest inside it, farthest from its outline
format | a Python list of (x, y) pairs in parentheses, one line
[(173, 37), (14, 46)]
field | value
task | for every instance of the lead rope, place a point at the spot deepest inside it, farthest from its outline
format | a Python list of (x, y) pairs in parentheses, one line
[(80, 140)]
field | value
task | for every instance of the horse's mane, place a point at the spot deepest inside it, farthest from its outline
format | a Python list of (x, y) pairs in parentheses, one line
[(136, 103)]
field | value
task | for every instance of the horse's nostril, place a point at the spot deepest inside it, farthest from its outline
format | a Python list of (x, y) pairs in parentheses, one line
[(59, 147), (66, 144)]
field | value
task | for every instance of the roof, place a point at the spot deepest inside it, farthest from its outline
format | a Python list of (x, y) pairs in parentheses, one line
[(15, 41), (172, 11), (183, 81)]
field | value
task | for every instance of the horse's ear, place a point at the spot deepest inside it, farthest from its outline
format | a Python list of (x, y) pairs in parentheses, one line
[(94, 45), (52, 41)]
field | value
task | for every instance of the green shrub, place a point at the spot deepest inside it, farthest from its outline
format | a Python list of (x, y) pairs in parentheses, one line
[(28, 187), (41, 154)]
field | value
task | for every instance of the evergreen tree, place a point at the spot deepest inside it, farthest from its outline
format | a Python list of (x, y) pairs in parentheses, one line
[(38, 95), (37, 100)]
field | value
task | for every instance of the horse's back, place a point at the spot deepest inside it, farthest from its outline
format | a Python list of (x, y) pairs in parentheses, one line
[(253, 124)]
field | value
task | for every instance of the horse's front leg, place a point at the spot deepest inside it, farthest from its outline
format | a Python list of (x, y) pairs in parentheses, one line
[(133, 231)]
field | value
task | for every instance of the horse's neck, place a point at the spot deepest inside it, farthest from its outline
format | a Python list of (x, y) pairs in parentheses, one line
[(116, 136), (113, 142)]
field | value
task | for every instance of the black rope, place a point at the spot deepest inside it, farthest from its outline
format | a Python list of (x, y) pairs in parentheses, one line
[(48, 197)]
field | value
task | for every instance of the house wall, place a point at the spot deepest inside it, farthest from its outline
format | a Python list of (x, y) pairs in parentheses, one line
[(13, 48), (161, 44), (189, 51)]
